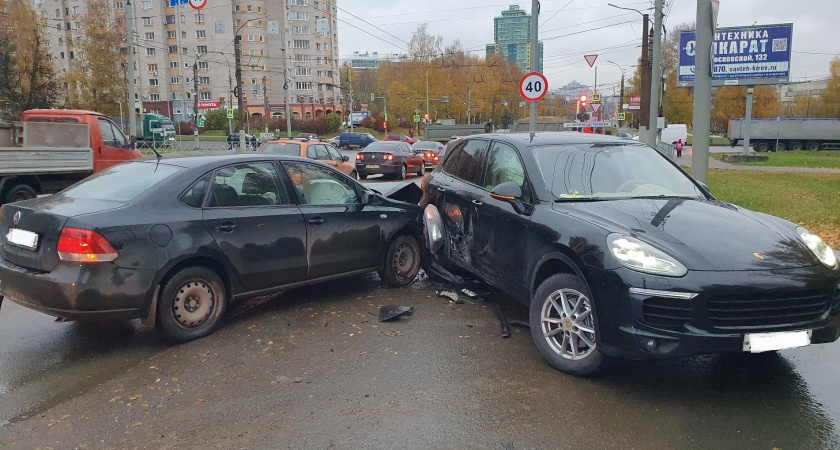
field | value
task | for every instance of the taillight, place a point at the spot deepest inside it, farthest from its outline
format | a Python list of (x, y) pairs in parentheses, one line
[(359, 157), (423, 185), (388, 157), (429, 155), (84, 246)]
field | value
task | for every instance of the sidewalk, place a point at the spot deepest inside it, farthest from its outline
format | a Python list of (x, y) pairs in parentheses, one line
[(685, 160)]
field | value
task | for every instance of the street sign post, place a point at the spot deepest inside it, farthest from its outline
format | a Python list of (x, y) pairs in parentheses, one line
[(230, 113), (533, 87), (596, 98), (590, 59), (620, 117), (742, 56), (586, 124), (197, 4), (417, 118), (372, 96), (596, 107)]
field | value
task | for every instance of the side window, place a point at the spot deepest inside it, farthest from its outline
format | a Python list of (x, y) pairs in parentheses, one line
[(317, 185), (107, 132), (451, 162), (469, 162), (334, 153), (119, 138), (321, 152), (310, 152), (194, 196), (503, 165), (251, 184)]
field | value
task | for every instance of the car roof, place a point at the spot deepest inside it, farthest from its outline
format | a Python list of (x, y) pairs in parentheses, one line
[(388, 144), (293, 141), (212, 161), (548, 138)]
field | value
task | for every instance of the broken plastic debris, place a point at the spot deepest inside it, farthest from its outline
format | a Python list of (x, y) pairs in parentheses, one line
[(284, 379), (450, 295), (391, 312)]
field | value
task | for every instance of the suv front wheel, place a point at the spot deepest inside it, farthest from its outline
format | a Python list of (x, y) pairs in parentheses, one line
[(564, 325)]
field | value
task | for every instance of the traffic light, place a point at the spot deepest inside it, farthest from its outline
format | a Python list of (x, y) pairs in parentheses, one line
[(583, 102), (425, 118)]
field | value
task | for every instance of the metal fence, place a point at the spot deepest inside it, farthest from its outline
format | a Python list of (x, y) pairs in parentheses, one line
[(192, 147), (666, 149)]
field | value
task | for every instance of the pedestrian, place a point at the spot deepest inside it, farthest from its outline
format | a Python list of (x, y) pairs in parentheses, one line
[(678, 147), (411, 133)]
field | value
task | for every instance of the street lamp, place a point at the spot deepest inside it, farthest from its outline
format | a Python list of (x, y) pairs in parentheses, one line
[(621, 94)]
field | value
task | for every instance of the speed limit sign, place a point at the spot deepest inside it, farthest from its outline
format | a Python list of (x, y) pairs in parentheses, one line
[(533, 87), (197, 4)]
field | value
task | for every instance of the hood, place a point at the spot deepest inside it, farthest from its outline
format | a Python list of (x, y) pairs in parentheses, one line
[(701, 234)]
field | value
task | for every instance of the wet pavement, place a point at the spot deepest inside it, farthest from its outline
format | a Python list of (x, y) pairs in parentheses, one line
[(313, 368)]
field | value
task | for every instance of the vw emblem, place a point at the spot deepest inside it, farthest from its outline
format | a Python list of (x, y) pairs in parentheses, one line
[(758, 256), (16, 218)]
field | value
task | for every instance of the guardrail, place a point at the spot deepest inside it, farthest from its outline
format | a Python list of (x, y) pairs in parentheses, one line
[(666, 149)]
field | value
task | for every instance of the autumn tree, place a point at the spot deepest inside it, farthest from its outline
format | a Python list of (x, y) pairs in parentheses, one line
[(27, 78), (99, 75), (424, 45), (731, 101), (830, 98)]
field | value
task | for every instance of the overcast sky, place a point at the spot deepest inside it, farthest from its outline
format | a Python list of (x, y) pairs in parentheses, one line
[(815, 24)]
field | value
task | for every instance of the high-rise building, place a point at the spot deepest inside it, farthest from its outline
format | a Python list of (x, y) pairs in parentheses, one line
[(512, 38), (176, 45)]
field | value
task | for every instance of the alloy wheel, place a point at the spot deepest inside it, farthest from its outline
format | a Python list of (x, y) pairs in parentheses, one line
[(568, 324)]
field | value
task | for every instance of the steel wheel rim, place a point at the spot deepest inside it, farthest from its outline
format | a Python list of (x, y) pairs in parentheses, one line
[(402, 170), (568, 324), (193, 305), (404, 259)]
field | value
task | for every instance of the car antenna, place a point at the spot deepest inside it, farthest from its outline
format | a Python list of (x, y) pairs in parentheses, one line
[(158, 156)]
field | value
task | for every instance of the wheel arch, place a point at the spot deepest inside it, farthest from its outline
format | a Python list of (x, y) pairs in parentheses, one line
[(559, 260)]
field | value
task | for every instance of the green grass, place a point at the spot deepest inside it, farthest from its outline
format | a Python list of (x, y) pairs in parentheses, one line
[(809, 199), (827, 159)]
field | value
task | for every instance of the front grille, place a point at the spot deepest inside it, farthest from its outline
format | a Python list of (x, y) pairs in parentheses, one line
[(768, 309), (666, 312)]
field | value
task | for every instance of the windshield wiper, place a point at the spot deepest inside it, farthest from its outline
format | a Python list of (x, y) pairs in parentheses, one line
[(581, 199)]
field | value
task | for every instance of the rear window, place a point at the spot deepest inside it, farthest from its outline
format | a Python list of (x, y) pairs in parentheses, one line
[(121, 183), (426, 145), (384, 146), (282, 149)]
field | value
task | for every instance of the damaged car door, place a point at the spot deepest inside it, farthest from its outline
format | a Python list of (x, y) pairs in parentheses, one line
[(457, 186)]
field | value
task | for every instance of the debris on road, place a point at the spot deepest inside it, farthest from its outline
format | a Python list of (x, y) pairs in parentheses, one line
[(453, 297), (287, 380), (391, 312)]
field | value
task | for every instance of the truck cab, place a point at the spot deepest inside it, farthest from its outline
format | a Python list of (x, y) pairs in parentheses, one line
[(157, 130)]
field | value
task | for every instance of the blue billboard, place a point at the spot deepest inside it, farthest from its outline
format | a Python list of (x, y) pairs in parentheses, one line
[(741, 56), (174, 3)]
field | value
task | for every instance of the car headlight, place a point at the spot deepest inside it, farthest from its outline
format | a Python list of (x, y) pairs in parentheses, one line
[(823, 252), (637, 255)]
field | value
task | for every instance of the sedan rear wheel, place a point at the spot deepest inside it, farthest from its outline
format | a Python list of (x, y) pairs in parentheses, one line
[(401, 175), (422, 170), (354, 175), (191, 304), (402, 262), (564, 325)]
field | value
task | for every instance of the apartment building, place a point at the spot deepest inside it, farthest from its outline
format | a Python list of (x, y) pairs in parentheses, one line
[(512, 39), (178, 46)]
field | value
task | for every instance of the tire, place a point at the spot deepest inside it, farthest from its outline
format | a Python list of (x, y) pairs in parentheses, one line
[(402, 261), (19, 193), (197, 288), (354, 175), (812, 145), (781, 147), (795, 146), (762, 146), (422, 170), (363, 176), (573, 352), (401, 175)]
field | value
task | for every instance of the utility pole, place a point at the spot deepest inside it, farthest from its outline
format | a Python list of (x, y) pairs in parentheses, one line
[(644, 107), (230, 97), (469, 103), (350, 80), (535, 54), (702, 92), (195, 97), (595, 91), (237, 46), (286, 85), (427, 97), (656, 72), (265, 101), (129, 28)]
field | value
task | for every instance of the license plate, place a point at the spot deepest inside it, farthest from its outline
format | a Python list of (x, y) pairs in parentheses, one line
[(22, 238), (372, 166), (765, 342)]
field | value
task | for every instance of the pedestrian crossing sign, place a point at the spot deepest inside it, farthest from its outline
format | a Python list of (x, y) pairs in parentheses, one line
[(416, 118), (230, 113), (620, 116)]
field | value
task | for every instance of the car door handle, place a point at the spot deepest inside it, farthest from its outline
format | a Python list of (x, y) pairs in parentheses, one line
[(315, 221), (477, 203), (226, 227), (441, 189)]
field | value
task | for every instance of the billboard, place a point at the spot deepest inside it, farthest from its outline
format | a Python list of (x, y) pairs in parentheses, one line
[(742, 56), (635, 102)]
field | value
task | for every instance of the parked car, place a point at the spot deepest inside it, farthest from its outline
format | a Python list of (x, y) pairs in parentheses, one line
[(391, 158), (400, 137), (307, 136), (430, 151), (318, 151), (348, 140), (619, 253), (333, 142), (250, 141), (176, 241)]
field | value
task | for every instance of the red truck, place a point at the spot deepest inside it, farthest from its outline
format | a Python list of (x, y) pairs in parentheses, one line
[(50, 149)]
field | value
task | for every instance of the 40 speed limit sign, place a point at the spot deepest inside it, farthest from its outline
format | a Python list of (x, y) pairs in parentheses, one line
[(533, 87)]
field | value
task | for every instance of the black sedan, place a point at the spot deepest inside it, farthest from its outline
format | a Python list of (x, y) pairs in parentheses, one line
[(174, 242), (618, 252), (391, 158)]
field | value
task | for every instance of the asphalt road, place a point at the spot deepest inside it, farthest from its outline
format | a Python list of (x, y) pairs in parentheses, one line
[(313, 368)]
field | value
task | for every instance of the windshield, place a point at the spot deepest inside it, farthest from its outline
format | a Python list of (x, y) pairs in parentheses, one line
[(282, 149), (605, 171), (121, 183)]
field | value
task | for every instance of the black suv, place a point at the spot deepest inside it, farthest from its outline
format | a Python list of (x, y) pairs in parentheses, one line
[(618, 252)]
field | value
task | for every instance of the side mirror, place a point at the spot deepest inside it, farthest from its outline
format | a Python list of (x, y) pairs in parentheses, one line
[(367, 197), (510, 192), (345, 158)]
